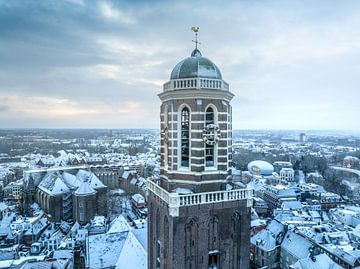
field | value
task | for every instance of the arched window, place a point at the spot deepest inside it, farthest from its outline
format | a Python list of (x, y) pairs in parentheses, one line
[(209, 149), (185, 124), (166, 137), (191, 244), (166, 242), (235, 229)]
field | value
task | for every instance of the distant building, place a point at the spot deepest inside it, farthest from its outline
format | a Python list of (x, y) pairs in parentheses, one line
[(278, 165), (71, 194), (260, 168), (265, 246), (287, 175), (14, 190), (351, 162), (274, 195), (316, 262), (294, 247), (302, 138)]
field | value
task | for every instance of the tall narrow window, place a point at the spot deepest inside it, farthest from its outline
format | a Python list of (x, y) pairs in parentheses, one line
[(209, 149), (158, 244), (214, 258), (158, 258), (166, 137), (185, 122)]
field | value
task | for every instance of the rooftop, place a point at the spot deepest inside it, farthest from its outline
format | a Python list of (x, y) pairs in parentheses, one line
[(196, 66)]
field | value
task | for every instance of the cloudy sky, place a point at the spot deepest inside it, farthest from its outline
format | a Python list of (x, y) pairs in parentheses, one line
[(101, 64)]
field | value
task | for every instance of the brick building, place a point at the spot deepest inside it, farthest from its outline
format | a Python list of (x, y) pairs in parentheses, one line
[(197, 217), (66, 194)]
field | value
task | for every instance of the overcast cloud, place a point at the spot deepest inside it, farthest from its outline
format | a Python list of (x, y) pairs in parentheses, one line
[(101, 64)]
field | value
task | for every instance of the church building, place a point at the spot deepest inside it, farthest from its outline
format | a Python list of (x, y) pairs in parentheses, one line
[(198, 218)]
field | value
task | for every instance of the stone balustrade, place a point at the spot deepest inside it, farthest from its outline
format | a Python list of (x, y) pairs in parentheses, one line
[(175, 200)]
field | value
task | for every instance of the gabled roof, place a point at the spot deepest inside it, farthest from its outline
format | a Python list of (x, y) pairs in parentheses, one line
[(270, 237), (296, 245), (85, 189), (94, 181), (320, 261), (53, 184)]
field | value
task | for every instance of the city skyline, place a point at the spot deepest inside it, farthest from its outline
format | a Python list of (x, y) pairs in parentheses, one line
[(100, 64)]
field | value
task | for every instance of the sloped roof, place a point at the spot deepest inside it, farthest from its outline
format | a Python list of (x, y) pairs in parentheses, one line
[(320, 261), (132, 255), (95, 182), (105, 249), (85, 189), (71, 180), (53, 184), (270, 237), (119, 225), (296, 245)]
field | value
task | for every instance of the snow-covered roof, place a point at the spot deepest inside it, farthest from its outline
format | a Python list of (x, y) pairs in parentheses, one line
[(47, 264), (63, 254), (320, 261), (71, 180), (3, 206), (132, 255), (141, 235), (296, 245), (105, 249), (18, 262), (291, 205), (53, 184), (91, 177), (138, 198), (119, 225), (85, 189), (270, 237)]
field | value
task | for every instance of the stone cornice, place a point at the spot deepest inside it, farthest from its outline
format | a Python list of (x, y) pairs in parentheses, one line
[(196, 94)]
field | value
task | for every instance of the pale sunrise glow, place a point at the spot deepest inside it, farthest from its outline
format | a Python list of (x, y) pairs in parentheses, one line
[(291, 65)]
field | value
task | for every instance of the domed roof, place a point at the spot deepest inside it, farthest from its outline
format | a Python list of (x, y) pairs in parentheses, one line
[(196, 66), (260, 168)]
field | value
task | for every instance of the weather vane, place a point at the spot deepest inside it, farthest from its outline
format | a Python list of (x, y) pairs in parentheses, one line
[(195, 29)]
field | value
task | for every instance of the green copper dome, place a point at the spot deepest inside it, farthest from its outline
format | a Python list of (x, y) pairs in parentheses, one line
[(196, 66)]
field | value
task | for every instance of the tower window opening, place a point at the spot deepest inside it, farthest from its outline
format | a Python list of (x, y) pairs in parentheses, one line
[(185, 122), (209, 149), (214, 260), (158, 260)]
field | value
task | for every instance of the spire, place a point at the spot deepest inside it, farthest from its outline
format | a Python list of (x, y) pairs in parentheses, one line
[(195, 29), (196, 52)]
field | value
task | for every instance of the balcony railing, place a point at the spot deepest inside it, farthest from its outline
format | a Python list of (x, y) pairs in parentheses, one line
[(196, 83), (175, 200)]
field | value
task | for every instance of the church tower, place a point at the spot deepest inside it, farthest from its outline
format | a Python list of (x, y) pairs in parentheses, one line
[(198, 218)]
